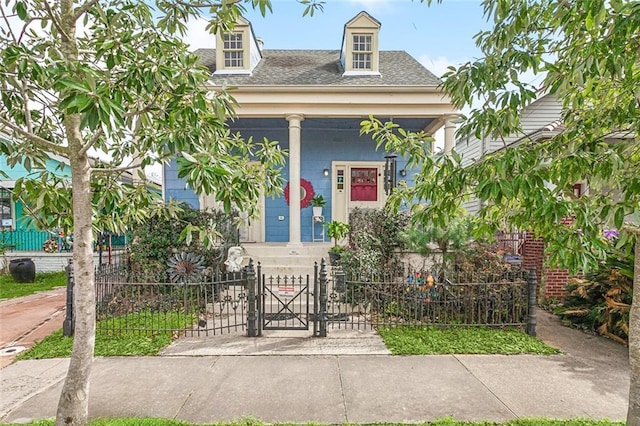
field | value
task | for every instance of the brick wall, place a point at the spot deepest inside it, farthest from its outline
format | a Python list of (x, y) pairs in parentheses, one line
[(532, 252), (552, 281)]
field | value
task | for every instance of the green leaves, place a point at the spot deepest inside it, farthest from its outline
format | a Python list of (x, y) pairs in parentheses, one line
[(21, 10), (311, 6)]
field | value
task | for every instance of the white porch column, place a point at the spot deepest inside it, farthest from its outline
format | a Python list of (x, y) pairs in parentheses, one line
[(294, 179), (449, 134)]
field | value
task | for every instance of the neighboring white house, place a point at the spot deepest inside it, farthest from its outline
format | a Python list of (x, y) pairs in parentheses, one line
[(539, 120)]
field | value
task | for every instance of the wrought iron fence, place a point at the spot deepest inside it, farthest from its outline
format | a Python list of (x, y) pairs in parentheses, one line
[(420, 299), (237, 302), (130, 303)]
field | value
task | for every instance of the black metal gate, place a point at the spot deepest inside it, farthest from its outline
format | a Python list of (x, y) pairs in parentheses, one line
[(284, 304)]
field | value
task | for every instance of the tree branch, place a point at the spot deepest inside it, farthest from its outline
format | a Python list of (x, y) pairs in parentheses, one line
[(133, 165), (98, 170), (84, 9), (54, 19), (91, 141), (41, 142), (25, 99), (6, 21)]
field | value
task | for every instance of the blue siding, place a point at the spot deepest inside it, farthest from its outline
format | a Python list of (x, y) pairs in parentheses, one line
[(176, 189), (319, 147)]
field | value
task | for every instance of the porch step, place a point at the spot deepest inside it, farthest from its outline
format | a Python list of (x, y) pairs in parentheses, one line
[(279, 259)]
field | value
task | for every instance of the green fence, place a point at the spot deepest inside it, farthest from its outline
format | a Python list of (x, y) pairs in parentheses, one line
[(52, 242)]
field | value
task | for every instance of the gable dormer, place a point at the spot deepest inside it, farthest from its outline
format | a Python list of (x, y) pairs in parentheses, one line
[(359, 54), (237, 50)]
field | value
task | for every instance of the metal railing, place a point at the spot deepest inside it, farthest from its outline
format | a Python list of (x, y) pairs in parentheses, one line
[(494, 300), (234, 302), (126, 303)]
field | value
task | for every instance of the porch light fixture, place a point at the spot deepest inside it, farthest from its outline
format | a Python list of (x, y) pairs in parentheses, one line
[(325, 172), (390, 172)]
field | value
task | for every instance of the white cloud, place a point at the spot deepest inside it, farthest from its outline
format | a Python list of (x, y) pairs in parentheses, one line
[(197, 35), (439, 65)]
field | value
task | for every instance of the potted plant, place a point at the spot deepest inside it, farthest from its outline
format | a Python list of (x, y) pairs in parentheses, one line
[(337, 231), (318, 202)]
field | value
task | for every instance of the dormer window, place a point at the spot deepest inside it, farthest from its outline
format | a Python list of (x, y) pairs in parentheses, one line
[(233, 50), (362, 51), (359, 55), (237, 51)]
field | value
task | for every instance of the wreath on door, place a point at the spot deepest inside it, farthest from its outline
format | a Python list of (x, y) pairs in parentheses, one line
[(306, 193)]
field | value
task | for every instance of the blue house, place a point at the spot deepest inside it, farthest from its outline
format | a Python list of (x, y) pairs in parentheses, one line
[(312, 102)]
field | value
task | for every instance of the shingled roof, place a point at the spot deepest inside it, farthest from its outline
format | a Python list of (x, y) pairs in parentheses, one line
[(322, 68)]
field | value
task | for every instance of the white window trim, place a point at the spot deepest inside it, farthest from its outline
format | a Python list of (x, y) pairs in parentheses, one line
[(369, 52), (360, 73), (348, 52), (232, 71), (221, 68)]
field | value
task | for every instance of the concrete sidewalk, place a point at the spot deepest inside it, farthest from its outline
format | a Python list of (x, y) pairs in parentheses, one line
[(293, 385)]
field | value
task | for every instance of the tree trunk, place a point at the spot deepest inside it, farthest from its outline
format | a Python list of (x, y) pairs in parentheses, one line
[(73, 407), (633, 413)]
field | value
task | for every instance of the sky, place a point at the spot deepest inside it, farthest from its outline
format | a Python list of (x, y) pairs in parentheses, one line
[(437, 36)]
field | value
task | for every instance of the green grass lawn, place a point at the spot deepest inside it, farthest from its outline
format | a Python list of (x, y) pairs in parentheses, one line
[(58, 346), (252, 422), (461, 340), (44, 281), (126, 343), (399, 340)]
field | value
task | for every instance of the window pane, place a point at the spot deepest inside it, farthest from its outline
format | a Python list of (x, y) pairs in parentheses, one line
[(364, 184), (232, 41), (233, 60), (361, 43), (5, 209), (362, 61)]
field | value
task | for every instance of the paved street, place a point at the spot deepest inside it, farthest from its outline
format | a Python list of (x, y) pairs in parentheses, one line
[(26, 320)]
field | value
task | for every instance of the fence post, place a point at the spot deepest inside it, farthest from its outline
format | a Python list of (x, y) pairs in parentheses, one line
[(323, 299), (316, 298), (68, 325), (259, 299), (532, 282), (251, 299)]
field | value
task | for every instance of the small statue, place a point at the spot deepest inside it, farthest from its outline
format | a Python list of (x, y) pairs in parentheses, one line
[(234, 260)]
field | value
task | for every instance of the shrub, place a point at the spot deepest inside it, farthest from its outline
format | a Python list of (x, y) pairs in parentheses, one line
[(601, 300), (156, 241), (374, 236)]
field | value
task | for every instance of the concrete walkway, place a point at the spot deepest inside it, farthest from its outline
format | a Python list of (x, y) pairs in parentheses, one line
[(336, 380)]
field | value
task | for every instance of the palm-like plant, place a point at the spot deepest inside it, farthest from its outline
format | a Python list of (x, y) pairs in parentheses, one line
[(601, 301)]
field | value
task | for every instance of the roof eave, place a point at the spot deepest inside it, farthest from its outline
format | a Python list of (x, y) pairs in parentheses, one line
[(336, 88)]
